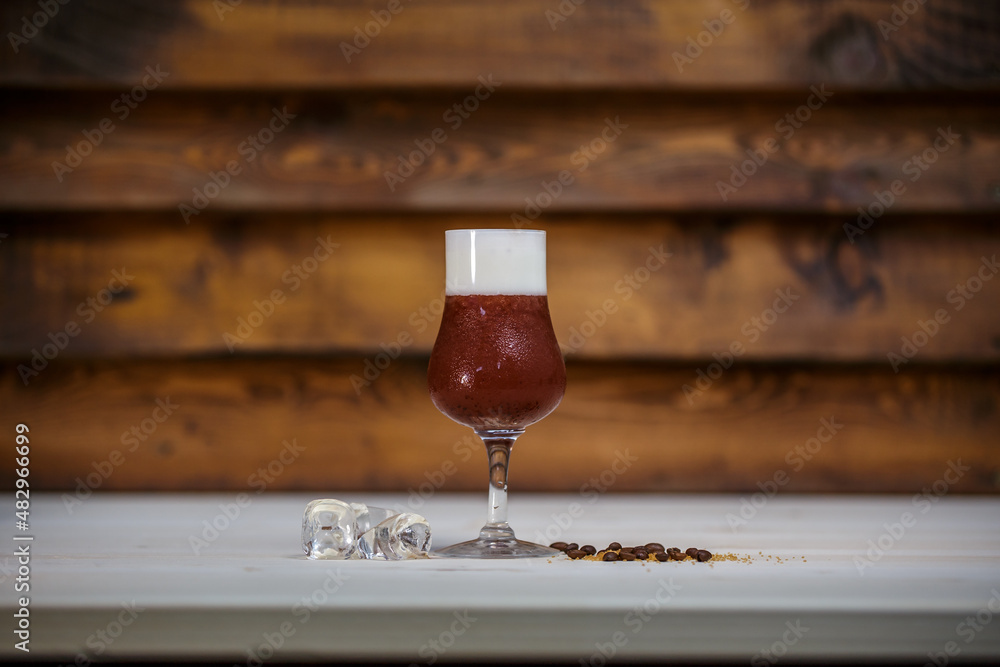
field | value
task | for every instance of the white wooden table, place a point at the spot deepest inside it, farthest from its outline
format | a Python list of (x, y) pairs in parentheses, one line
[(119, 578)]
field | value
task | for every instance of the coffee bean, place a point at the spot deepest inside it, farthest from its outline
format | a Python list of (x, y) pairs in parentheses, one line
[(616, 552)]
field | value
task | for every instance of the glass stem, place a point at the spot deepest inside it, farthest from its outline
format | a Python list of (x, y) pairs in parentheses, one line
[(498, 445)]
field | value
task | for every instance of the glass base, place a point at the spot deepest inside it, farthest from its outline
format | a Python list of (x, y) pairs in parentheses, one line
[(495, 548)]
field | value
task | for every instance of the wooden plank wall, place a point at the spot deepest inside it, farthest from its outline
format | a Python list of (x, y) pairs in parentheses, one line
[(222, 239)]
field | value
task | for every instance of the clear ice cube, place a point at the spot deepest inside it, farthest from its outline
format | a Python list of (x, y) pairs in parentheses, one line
[(367, 519), (369, 516), (332, 529), (329, 529), (403, 536)]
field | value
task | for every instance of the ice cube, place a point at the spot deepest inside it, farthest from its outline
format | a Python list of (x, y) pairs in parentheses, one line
[(368, 517), (403, 536), (329, 529), (335, 530)]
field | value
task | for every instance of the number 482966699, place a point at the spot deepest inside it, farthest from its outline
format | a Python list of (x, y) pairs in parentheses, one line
[(21, 495)]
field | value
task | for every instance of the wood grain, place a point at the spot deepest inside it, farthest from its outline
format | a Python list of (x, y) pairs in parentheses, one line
[(209, 288), (404, 152), (221, 210), (677, 44), (231, 418)]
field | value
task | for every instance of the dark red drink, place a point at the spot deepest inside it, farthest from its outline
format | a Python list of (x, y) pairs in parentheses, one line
[(496, 363)]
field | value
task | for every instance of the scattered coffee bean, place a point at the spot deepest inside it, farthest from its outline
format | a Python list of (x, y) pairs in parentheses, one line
[(616, 552)]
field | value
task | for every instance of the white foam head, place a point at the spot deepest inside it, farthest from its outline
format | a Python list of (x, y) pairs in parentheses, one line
[(495, 261)]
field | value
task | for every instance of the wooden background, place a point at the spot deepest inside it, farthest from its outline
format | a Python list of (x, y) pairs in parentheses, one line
[(633, 337)]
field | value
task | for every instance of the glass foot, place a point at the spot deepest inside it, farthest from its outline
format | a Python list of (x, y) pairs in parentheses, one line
[(495, 548)]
